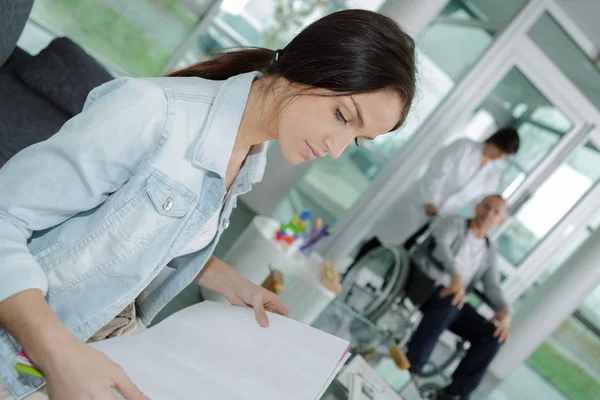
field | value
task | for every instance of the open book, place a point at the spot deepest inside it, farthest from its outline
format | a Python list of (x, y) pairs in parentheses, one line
[(217, 351)]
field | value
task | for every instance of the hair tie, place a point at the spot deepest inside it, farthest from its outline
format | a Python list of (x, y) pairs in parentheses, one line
[(276, 57)]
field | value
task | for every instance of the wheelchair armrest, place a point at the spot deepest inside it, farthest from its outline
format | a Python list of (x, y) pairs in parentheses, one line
[(418, 251)]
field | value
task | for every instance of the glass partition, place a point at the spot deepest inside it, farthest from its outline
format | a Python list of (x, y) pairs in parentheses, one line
[(550, 204), (264, 23), (138, 37)]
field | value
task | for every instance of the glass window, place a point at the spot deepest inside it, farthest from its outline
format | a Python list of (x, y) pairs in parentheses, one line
[(137, 37), (568, 56), (446, 50), (516, 102), (550, 203), (264, 23), (574, 242)]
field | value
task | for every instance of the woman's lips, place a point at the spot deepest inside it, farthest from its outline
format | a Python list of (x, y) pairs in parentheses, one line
[(314, 153), (311, 154)]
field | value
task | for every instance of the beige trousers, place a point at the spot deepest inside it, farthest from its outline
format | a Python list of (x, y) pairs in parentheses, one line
[(125, 323)]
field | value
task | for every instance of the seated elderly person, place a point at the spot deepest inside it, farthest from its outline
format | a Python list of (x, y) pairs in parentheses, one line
[(457, 255)]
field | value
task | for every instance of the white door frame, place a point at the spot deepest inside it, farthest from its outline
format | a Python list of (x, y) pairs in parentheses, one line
[(553, 84), (540, 260)]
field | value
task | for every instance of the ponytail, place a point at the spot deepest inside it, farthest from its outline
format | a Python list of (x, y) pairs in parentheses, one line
[(226, 65)]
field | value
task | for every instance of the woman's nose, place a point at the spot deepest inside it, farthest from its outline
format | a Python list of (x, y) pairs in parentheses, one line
[(337, 145)]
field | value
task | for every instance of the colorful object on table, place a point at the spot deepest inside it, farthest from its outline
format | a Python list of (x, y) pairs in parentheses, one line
[(318, 232), (316, 227), (399, 357), (25, 366), (274, 281), (330, 277), (290, 232)]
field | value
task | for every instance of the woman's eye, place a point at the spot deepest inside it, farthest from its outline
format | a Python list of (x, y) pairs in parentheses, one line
[(339, 115)]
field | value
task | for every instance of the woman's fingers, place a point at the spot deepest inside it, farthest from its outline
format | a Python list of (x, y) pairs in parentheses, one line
[(277, 306), (259, 311), (128, 389)]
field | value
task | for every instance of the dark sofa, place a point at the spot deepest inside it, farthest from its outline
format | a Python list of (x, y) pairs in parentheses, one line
[(38, 94)]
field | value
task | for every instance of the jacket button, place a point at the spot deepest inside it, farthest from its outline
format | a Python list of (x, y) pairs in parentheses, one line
[(226, 224), (168, 204)]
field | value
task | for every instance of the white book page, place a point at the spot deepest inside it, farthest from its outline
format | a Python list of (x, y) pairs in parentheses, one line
[(333, 375), (160, 376), (219, 345)]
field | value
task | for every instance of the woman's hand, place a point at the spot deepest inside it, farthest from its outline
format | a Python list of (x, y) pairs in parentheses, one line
[(245, 293), (80, 372), (73, 370), (239, 291)]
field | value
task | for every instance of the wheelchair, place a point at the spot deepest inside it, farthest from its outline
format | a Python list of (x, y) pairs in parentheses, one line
[(387, 288)]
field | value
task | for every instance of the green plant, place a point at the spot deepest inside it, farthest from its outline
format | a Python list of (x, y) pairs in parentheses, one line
[(109, 34)]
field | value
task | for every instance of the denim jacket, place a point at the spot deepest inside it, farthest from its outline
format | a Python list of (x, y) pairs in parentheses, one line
[(92, 215)]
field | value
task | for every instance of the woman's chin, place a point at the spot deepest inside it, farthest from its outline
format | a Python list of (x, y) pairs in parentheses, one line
[(296, 161), (293, 158)]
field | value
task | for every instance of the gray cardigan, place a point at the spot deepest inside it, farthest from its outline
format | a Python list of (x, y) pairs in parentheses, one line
[(447, 236)]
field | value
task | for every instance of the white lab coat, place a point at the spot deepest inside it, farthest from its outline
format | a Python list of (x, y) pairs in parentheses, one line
[(453, 179)]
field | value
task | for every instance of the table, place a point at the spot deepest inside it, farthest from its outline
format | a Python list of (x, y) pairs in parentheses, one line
[(374, 387), (256, 252), (341, 320)]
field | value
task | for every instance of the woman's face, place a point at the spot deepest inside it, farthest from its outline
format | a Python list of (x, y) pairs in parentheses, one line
[(315, 123)]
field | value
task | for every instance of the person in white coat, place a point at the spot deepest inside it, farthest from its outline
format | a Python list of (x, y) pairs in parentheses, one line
[(463, 172)]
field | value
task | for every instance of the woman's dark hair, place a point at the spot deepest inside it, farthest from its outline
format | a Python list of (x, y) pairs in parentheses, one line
[(349, 52), (506, 139)]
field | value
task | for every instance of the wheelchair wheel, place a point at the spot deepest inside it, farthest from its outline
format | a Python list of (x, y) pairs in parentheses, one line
[(386, 262), (429, 390)]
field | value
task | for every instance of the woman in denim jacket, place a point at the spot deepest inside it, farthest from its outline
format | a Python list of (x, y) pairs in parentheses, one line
[(122, 208)]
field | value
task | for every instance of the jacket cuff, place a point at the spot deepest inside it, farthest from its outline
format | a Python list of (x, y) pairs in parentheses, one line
[(17, 279)]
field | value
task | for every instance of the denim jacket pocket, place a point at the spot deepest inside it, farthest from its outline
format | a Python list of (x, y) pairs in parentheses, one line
[(156, 209), (167, 200)]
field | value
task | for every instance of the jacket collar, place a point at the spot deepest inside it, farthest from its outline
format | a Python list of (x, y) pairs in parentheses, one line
[(221, 128)]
